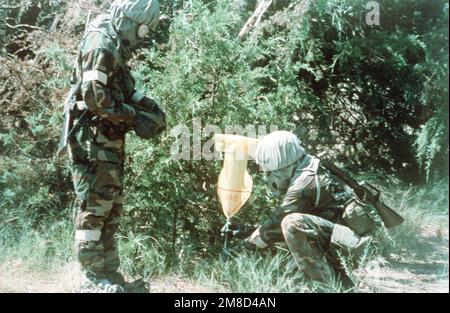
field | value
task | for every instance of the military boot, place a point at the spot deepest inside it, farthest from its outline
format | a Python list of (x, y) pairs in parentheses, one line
[(116, 278), (138, 286), (98, 283)]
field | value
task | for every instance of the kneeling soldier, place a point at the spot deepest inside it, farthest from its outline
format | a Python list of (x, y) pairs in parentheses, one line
[(319, 218)]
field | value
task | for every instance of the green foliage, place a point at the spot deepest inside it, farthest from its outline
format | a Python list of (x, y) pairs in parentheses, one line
[(39, 248), (33, 183), (423, 209), (355, 90), (59, 62), (251, 273), (142, 255), (430, 141), (199, 76), (366, 86)]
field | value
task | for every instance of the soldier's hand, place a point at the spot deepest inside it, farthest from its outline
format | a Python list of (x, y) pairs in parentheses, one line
[(236, 230), (151, 105), (148, 104)]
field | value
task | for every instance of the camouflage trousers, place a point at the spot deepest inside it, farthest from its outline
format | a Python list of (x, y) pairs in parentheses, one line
[(309, 239), (97, 153)]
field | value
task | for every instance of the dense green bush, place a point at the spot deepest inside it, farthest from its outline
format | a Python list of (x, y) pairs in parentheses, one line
[(370, 89)]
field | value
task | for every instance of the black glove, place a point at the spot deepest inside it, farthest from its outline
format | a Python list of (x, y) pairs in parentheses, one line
[(148, 104), (162, 114), (150, 120), (240, 231)]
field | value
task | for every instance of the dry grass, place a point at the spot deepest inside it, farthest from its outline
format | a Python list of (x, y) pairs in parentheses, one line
[(424, 268), (176, 284), (16, 277)]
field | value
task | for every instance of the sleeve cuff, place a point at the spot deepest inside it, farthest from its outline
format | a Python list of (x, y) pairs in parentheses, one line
[(257, 240), (137, 97)]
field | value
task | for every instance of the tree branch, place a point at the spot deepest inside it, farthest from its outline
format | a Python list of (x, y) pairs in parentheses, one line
[(255, 19), (23, 25)]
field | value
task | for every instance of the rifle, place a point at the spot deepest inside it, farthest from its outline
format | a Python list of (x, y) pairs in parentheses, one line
[(68, 118), (367, 193)]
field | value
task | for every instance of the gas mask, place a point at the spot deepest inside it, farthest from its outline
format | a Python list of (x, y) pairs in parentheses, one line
[(133, 20), (142, 31), (131, 34), (277, 154), (278, 181)]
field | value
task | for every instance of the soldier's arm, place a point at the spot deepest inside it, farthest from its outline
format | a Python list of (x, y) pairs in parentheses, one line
[(298, 199), (98, 66)]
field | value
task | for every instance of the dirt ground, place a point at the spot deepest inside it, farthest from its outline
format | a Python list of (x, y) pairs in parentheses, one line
[(423, 270)]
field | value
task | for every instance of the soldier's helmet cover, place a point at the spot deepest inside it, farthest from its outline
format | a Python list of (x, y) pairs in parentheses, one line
[(134, 19), (278, 150)]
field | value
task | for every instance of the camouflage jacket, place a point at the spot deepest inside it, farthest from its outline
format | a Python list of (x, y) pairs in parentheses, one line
[(107, 85), (302, 197)]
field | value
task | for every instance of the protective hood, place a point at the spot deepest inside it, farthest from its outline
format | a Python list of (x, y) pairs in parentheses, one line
[(109, 41), (278, 150), (139, 11)]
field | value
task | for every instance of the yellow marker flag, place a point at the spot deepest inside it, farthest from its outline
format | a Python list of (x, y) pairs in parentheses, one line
[(235, 184)]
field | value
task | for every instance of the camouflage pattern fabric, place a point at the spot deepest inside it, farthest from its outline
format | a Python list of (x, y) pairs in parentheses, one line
[(105, 108), (307, 228), (97, 170), (97, 151), (107, 96), (308, 237), (301, 197)]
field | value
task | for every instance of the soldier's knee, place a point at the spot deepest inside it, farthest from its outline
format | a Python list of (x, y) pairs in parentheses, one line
[(292, 223), (99, 204), (89, 220), (108, 192)]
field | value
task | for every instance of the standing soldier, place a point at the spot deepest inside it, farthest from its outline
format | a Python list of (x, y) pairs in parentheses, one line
[(319, 218), (104, 106)]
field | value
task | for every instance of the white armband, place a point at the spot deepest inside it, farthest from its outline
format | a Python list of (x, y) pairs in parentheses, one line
[(344, 236), (95, 75), (88, 234)]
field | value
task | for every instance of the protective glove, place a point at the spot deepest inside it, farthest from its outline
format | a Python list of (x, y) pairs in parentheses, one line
[(130, 112), (162, 114), (148, 124), (236, 230), (148, 104)]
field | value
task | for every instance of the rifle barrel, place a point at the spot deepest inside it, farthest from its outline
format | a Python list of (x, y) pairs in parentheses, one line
[(389, 217)]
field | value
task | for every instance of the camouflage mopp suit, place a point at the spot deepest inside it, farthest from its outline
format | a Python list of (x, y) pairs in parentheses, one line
[(320, 218), (107, 106)]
